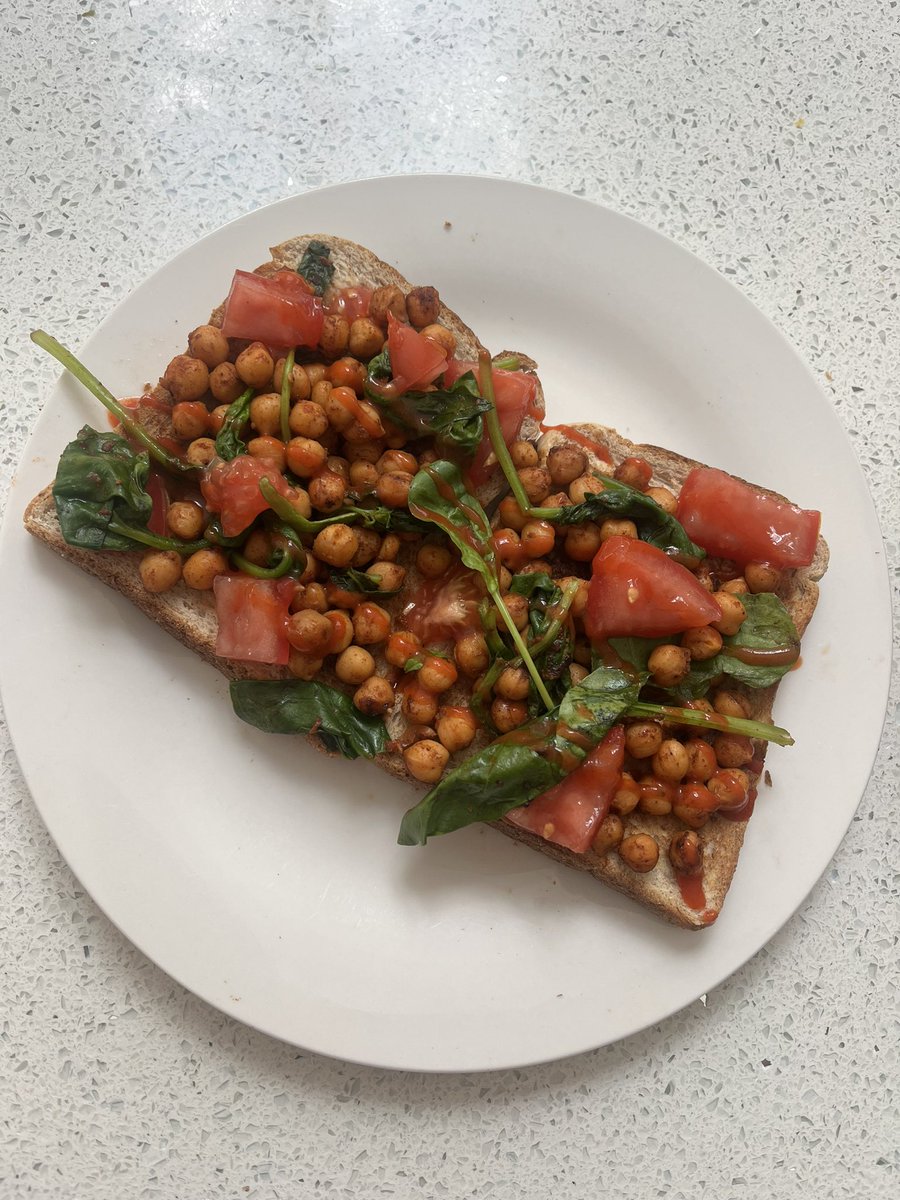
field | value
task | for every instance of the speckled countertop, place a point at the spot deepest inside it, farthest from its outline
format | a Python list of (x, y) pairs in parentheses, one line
[(763, 137)]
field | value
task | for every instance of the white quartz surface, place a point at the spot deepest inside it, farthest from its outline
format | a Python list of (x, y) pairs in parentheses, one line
[(762, 136)]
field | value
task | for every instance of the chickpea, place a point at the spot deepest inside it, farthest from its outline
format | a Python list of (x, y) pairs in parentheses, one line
[(402, 645), (304, 666), (433, 560), (626, 796), (505, 579), (190, 419), (439, 334), (611, 528), (390, 547), (388, 575), (507, 546), (341, 631), (270, 448), (643, 738), (508, 714), (315, 372), (538, 538), (583, 486), (471, 654), (186, 378), (609, 834), (392, 488), (671, 760), (437, 674), (735, 587), (730, 704), (636, 472), (307, 419), (200, 570), (701, 760), (160, 570), (312, 596), (536, 482), (335, 336), (730, 787), (513, 683), (418, 705), (299, 500), (397, 460), (576, 673), (669, 664), (309, 631), (265, 413), (558, 500), (733, 613), (225, 383), (702, 643), (363, 477), (686, 853), (209, 344), (640, 852), (423, 306), (664, 498), (374, 697), (456, 728), (366, 339), (582, 542), (298, 386), (339, 465), (217, 418), (185, 521), (524, 454), (426, 760), (367, 451), (511, 516), (762, 577), (579, 600), (733, 750), (371, 624), (565, 464), (305, 456), (694, 804), (368, 543), (347, 372), (354, 665), (336, 545), (201, 452), (327, 492), (319, 394), (387, 299), (582, 652), (255, 366), (657, 796), (517, 607)]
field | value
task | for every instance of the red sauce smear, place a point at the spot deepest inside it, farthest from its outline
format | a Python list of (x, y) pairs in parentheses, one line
[(580, 439)]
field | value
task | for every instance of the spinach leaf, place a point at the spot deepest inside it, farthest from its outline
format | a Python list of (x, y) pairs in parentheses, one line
[(229, 443), (617, 499), (101, 478), (379, 371), (552, 639), (297, 706), (523, 764), (452, 415), (316, 266), (352, 580)]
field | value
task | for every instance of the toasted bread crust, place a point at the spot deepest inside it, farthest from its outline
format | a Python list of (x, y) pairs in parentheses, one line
[(189, 616)]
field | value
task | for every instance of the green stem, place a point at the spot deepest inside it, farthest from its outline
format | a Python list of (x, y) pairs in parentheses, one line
[(494, 588), (282, 566), (561, 610), (286, 396), (495, 433), (713, 721), (68, 360), (289, 514), (154, 540)]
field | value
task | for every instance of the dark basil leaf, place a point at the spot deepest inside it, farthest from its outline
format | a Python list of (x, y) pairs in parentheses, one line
[(617, 499), (229, 443), (316, 266), (100, 482), (297, 706)]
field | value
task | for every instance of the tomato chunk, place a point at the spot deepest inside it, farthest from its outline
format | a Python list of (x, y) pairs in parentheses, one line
[(278, 310), (515, 396), (636, 590), (445, 608), (253, 616), (416, 361), (232, 490), (570, 813), (733, 519), (351, 302)]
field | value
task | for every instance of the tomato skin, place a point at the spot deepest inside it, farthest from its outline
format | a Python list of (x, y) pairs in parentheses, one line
[(158, 492), (351, 302), (515, 396), (279, 310), (253, 616), (637, 590), (733, 519), (232, 490), (416, 361), (570, 812), (445, 608)]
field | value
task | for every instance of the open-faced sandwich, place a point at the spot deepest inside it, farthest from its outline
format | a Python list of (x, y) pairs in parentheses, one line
[(337, 498)]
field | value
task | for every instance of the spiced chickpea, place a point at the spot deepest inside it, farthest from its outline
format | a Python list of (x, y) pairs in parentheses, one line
[(472, 654), (669, 664), (401, 646), (508, 714), (313, 596), (584, 485), (319, 393), (671, 760), (341, 631), (309, 631), (513, 683), (306, 457), (538, 538), (190, 419), (439, 334), (304, 666), (335, 336), (354, 665), (565, 464), (762, 577), (656, 796), (418, 705), (733, 613), (347, 372), (225, 383), (694, 804), (426, 760), (733, 750), (392, 488), (433, 560), (511, 516), (390, 547), (729, 704), (160, 570), (200, 570), (686, 852), (327, 492), (730, 787), (265, 413), (609, 834), (185, 520), (336, 545), (701, 760), (582, 542), (368, 543), (363, 477), (643, 738), (437, 674), (307, 419), (374, 697), (340, 466), (255, 365), (576, 673), (388, 575), (209, 344), (703, 643), (612, 527), (665, 498), (636, 472), (298, 499), (536, 482), (735, 587), (298, 385), (508, 546), (387, 299), (271, 448), (217, 418), (186, 378), (315, 372), (366, 339), (371, 624), (626, 796), (505, 579), (517, 607), (201, 452), (639, 851), (579, 600), (456, 728), (423, 306), (524, 454)]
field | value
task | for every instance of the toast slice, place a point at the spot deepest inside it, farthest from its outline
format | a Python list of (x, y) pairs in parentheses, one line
[(190, 616)]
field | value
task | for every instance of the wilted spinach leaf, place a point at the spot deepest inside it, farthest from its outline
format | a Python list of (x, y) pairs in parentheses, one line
[(316, 266), (298, 706), (228, 440), (101, 482)]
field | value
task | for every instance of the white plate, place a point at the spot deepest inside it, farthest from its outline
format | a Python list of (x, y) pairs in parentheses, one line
[(266, 878)]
